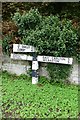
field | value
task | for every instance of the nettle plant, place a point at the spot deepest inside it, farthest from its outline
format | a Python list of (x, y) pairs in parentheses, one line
[(49, 35)]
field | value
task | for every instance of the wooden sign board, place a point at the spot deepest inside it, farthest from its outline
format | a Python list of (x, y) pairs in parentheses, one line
[(23, 48), (21, 57), (50, 59)]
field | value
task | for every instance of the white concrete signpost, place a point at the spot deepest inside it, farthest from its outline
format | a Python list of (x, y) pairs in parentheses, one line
[(21, 57), (50, 59), (27, 48), (23, 48)]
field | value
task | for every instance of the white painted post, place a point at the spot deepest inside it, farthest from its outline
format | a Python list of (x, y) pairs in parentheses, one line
[(34, 70), (34, 77)]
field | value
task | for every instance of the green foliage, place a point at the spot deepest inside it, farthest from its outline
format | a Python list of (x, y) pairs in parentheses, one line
[(61, 72), (50, 36), (64, 9), (78, 50), (27, 20), (21, 99), (5, 44)]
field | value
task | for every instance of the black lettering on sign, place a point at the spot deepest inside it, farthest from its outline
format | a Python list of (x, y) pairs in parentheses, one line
[(68, 60), (23, 46), (18, 46), (44, 58), (62, 58), (56, 59), (16, 56), (50, 59), (31, 48), (47, 58), (21, 49)]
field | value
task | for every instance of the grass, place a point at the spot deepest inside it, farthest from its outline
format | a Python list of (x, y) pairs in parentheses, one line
[(21, 99)]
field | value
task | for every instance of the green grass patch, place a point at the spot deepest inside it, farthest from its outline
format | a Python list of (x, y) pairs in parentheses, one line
[(21, 99)]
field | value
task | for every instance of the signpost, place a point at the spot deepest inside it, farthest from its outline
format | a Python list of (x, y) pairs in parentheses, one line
[(21, 57), (23, 48), (51, 59), (35, 59), (34, 69)]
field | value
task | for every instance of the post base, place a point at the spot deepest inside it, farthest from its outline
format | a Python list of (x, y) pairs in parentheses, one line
[(34, 80)]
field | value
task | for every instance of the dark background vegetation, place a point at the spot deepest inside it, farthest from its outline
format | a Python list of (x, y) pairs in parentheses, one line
[(63, 9)]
